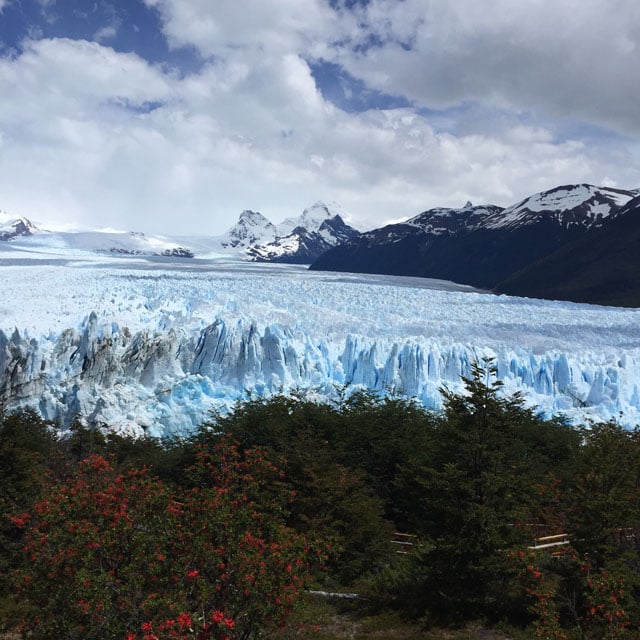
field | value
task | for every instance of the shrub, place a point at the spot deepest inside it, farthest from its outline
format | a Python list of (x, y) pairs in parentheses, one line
[(114, 554)]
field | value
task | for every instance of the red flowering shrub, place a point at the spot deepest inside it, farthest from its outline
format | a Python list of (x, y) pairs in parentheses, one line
[(597, 600), (607, 602), (117, 554)]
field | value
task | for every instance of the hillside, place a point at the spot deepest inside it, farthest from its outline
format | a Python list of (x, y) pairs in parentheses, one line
[(487, 246), (602, 266)]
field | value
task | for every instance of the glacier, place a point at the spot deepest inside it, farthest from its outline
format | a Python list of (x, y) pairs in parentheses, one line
[(152, 345)]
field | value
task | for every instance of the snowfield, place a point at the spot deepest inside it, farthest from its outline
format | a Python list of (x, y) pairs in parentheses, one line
[(153, 344)]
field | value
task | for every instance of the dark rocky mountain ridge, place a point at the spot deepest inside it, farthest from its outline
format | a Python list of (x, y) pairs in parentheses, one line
[(487, 246)]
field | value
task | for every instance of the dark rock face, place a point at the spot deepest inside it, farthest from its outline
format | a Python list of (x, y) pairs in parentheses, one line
[(601, 266), (178, 252)]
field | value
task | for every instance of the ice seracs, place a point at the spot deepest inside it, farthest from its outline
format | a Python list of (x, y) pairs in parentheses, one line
[(154, 348)]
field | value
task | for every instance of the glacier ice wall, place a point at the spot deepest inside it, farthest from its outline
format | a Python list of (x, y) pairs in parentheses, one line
[(161, 348), (165, 382)]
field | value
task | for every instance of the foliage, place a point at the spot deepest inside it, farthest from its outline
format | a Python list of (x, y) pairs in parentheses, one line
[(122, 533), (26, 443), (334, 500), (569, 597), (119, 554), (475, 488)]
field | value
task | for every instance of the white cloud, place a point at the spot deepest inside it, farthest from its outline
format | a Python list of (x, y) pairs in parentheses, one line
[(69, 72), (570, 59), (105, 33), (224, 26), (105, 138)]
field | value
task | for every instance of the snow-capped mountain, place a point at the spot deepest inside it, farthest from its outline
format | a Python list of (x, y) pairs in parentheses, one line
[(101, 242), (15, 228), (296, 240), (152, 346), (481, 246), (251, 229), (580, 205), (303, 240), (421, 246), (254, 238), (446, 221), (434, 222), (602, 264)]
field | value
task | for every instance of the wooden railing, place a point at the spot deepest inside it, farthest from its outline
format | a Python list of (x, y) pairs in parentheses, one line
[(549, 542), (404, 542)]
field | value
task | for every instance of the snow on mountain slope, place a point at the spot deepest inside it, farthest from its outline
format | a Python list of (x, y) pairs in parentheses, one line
[(11, 228), (83, 242), (581, 204), (252, 228), (446, 220), (299, 240), (144, 345), (311, 219), (296, 240)]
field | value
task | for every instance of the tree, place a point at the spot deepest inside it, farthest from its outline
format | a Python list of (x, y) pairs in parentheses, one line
[(26, 444), (470, 493), (334, 503)]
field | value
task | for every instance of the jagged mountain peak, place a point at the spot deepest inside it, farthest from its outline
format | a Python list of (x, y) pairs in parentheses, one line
[(302, 240), (253, 217), (252, 228), (297, 240), (311, 219)]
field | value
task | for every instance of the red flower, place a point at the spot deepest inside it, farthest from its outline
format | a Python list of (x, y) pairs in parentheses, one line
[(217, 617), (193, 574), (185, 621)]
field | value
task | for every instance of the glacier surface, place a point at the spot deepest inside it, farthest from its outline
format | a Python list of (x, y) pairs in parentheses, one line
[(151, 345)]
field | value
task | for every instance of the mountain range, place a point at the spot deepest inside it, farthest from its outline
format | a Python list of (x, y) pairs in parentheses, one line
[(298, 240), (573, 242), (15, 228)]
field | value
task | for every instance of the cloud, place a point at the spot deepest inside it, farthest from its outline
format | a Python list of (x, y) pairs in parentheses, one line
[(105, 33), (226, 26), (568, 59), (100, 137)]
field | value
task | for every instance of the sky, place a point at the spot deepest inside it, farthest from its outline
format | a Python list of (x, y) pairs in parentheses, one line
[(173, 116)]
